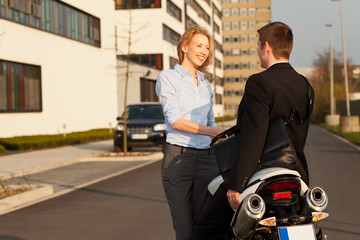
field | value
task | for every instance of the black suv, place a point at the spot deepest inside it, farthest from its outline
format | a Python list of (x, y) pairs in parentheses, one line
[(145, 127)]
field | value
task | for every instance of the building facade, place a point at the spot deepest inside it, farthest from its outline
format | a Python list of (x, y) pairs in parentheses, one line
[(241, 19), (152, 29), (63, 63), (57, 66)]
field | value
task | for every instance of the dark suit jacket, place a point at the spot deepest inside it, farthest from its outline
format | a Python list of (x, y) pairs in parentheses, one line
[(269, 95)]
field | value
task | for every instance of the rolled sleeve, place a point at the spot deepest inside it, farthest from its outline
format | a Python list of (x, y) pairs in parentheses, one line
[(167, 95)]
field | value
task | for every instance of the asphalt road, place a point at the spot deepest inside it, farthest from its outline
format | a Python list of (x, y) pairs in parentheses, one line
[(133, 206)]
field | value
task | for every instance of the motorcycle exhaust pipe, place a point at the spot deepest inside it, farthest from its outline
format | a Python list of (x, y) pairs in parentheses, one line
[(316, 200), (248, 215)]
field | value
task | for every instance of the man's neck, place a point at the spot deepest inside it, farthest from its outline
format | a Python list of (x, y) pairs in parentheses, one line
[(275, 61)]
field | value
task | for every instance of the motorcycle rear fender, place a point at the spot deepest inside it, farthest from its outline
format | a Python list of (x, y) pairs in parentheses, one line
[(257, 179)]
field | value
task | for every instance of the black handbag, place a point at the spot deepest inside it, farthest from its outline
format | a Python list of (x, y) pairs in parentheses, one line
[(278, 149)]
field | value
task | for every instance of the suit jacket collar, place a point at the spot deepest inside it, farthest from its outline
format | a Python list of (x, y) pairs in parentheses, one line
[(280, 65)]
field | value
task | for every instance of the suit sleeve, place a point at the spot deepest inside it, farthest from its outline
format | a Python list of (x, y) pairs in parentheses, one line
[(253, 120)]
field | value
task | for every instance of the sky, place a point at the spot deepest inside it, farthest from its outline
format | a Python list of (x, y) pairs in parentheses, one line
[(307, 18)]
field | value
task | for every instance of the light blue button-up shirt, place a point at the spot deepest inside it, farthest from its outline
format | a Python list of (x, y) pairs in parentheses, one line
[(181, 98)]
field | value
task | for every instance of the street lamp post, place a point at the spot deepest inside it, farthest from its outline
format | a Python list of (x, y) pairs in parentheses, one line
[(345, 67), (331, 69)]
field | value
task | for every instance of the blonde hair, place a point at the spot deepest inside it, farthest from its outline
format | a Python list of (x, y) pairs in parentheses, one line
[(186, 39)]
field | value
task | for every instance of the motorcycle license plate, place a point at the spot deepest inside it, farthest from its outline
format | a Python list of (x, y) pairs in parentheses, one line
[(300, 232)]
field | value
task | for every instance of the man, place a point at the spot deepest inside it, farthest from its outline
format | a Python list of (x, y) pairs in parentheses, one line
[(268, 95)]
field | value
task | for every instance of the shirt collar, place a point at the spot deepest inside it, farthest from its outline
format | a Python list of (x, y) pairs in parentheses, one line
[(278, 62), (182, 71)]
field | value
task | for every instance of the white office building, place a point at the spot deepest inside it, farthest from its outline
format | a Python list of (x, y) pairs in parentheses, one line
[(57, 66), (62, 62), (152, 29)]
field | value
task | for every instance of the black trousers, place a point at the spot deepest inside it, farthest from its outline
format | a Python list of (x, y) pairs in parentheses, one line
[(214, 220)]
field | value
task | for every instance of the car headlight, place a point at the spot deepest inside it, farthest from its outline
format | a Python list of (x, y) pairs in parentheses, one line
[(119, 127), (160, 127)]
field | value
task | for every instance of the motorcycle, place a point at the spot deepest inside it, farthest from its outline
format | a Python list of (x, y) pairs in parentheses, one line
[(277, 205)]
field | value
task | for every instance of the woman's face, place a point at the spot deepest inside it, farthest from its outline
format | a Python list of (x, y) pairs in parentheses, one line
[(197, 51)]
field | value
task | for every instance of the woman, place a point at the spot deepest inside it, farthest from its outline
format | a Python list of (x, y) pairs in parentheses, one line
[(186, 97)]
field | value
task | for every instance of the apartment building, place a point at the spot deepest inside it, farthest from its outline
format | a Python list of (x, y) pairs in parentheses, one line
[(241, 19), (57, 66), (152, 29)]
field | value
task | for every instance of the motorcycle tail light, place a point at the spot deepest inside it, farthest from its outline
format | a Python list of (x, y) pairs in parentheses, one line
[(269, 222), (292, 184), (317, 216), (282, 195)]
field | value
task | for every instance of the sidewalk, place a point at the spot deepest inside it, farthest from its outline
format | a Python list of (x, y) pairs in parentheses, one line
[(64, 169)]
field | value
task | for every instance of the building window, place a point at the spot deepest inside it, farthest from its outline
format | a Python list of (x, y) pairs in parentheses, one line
[(236, 52), (170, 35), (189, 22), (235, 25), (252, 12), (218, 46), (243, 12), (131, 4), (147, 90), (226, 12), (148, 60), (217, 11), (244, 25), (244, 38), (252, 25), (20, 87), (200, 11), (252, 38), (234, 12), (173, 10), (226, 26), (55, 17), (217, 63), (216, 28)]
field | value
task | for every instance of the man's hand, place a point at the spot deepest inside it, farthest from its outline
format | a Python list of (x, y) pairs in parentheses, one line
[(233, 198)]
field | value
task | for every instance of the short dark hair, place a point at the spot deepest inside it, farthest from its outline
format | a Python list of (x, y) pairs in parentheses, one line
[(279, 36)]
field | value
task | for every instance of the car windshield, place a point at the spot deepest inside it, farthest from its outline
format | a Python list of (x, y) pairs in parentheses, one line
[(144, 112)]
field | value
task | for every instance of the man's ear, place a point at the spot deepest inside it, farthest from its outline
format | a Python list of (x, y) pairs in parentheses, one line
[(268, 48)]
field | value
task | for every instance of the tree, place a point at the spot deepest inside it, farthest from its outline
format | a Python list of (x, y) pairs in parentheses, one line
[(320, 79), (129, 40)]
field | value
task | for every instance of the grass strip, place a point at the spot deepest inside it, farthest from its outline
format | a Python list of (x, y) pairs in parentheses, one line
[(57, 140)]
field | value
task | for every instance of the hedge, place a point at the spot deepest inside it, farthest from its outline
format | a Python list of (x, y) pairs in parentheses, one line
[(2, 149), (49, 141)]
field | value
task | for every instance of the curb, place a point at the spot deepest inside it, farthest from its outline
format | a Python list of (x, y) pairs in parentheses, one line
[(22, 199)]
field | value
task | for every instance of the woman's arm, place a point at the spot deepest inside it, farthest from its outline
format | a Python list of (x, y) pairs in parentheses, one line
[(191, 127)]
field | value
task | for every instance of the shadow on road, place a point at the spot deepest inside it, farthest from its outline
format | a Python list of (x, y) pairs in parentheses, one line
[(6, 237)]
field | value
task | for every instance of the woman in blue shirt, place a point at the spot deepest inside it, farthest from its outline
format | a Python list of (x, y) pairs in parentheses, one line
[(186, 97)]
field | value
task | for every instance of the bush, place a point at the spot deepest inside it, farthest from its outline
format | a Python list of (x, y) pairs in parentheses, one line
[(49, 141), (2, 149)]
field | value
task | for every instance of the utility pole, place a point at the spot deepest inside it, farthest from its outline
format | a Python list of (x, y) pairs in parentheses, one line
[(345, 67)]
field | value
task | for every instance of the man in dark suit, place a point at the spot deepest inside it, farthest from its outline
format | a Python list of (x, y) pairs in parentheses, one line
[(268, 95)]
